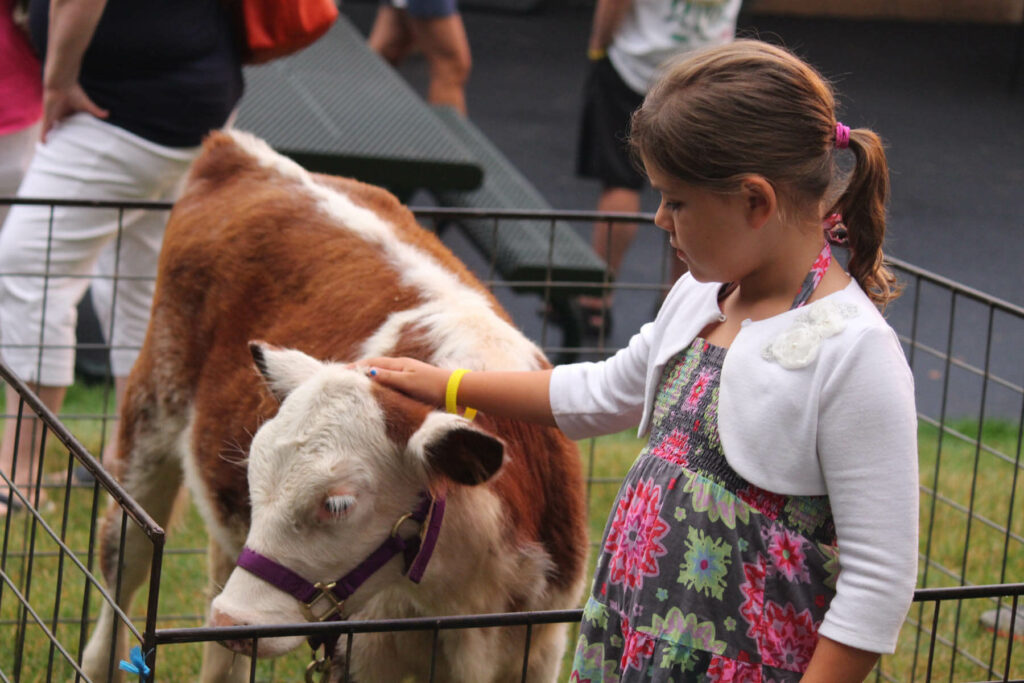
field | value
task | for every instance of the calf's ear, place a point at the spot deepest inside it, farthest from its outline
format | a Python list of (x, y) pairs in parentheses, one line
[(451, 447), (282, 369)]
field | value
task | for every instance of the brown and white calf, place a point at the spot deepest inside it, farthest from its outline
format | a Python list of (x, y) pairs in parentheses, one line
[(326, 271)]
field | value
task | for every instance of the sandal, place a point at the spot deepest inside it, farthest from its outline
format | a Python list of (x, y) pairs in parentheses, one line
[(11, 503), (82, 476), (596, 321)]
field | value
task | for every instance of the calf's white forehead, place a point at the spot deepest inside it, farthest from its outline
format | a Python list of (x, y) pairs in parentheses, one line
[(329, 427)]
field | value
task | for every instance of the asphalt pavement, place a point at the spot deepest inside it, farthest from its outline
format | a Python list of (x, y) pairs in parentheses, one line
[(944, 96), (939, 94)]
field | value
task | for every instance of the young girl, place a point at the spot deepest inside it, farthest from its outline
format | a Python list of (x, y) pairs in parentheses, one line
[(768, 530)]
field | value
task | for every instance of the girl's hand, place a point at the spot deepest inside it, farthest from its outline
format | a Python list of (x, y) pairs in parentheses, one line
[(413, 378), (516, 394)]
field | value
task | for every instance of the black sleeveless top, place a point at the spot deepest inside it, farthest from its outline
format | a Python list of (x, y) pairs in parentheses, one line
[(167, 71)]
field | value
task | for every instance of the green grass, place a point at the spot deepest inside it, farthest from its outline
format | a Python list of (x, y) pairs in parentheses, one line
[(960, 473), (986, 558), (37, 563)]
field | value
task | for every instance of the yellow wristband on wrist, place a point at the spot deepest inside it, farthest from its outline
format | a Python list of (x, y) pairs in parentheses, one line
[(451, 394), (595, 54)]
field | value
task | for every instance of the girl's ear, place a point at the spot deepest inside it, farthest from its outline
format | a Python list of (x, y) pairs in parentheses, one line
[(760, 200)]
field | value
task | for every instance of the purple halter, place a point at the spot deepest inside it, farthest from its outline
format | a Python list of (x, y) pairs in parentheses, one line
[(416, 551)]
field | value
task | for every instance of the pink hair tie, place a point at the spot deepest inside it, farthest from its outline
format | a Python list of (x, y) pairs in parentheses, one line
[(842, 136), (835, 232)]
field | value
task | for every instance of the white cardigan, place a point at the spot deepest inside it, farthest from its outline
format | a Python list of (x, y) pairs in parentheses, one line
[(818, 400)]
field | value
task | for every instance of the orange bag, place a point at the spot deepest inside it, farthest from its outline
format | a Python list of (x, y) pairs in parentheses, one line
[(276, 28)]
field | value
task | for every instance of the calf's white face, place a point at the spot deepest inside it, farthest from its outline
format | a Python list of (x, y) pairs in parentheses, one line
[(330, 475)]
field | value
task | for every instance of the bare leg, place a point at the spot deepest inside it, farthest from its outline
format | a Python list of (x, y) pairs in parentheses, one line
[(611, 240), (446, 47), (391, 36), (25, 462)]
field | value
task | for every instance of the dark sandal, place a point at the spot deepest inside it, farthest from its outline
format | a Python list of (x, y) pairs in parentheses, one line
[(13, 504), (82, 476), (596, 321)]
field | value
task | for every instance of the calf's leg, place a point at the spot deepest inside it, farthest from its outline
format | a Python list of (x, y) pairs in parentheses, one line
[(221, 665), (151, 474)]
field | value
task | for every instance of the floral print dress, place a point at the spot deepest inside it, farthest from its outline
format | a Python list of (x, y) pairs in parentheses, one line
[(701, 575)]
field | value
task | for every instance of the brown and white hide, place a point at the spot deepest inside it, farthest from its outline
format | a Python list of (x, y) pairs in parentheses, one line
[(325, 271)]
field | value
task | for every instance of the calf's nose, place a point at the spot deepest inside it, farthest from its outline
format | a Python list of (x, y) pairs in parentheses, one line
[(218, 618)]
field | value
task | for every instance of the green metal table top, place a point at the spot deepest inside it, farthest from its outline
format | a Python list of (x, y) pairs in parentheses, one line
[(337, 107)]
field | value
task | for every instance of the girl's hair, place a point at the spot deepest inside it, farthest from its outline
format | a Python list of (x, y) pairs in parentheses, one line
[(748, 107)]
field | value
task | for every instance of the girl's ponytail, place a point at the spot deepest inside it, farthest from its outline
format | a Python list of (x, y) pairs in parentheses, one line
[(862, 206), (750, 108)]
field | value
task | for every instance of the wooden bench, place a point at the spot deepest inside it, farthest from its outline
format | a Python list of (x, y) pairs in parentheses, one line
[(543, 256)]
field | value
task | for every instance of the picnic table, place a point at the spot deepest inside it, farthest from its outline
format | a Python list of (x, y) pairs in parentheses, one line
[(337, 107)]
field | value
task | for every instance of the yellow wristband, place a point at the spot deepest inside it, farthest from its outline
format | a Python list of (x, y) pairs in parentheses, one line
[(452, 392), (595, 54)]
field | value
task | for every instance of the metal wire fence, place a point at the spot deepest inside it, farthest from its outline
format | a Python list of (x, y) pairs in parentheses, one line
[(964, 348)]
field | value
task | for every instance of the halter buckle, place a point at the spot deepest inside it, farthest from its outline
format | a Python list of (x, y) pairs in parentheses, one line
[(401, 520), (318, 666), (424, 523), (326, 593)]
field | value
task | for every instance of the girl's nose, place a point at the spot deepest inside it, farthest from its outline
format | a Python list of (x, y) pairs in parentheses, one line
[(662, 219)]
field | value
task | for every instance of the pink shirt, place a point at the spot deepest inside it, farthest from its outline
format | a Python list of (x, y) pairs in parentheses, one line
[(21, 78)]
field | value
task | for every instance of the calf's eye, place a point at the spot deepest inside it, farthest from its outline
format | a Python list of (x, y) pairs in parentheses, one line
[(336, 507)]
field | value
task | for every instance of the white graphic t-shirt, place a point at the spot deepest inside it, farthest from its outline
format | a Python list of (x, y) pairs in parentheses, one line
[(654, 31)]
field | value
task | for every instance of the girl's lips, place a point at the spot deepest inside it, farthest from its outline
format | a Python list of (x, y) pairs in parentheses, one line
[(680, 254)]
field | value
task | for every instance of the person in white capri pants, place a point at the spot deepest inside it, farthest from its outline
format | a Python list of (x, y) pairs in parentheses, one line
[(130, 88)]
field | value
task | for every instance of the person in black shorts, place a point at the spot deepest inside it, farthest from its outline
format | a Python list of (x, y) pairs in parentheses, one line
[(629, 43), (436, 28), (602, 154)]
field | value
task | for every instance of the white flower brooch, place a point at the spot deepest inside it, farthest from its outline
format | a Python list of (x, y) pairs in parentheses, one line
[(798, 346)]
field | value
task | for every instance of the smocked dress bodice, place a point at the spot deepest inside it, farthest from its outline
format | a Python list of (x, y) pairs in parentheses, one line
[(702, 576)]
